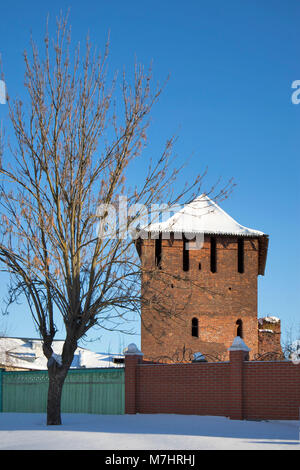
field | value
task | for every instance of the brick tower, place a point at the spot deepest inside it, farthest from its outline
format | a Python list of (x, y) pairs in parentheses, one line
[(199, 298)]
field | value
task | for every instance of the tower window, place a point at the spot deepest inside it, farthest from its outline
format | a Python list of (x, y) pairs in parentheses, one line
[(239, 330), (240, 255), (158, 251), (185, 256), (195, 327), (213, 254)]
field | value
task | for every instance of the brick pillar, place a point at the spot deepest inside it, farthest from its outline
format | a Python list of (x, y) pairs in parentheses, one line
[(238, 353), (132, 358)]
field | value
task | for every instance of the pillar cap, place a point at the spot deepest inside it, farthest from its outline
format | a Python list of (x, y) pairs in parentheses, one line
[(132, 350), (239, 345)]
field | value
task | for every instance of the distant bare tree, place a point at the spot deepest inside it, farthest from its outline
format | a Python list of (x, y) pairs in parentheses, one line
[(291, 341), (5, 359), (76, 141)]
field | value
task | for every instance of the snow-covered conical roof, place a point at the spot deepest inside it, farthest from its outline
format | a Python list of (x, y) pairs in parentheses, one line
[(203, 215)]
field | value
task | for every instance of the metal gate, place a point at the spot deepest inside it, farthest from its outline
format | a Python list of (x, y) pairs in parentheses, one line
[(99, 391)]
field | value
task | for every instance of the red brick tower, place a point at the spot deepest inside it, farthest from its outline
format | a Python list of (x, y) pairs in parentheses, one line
[(200, 299)]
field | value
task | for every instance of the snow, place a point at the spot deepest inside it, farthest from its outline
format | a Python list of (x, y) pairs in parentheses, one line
[(132, 349), (198, 356), (26, 431), (57, 358), (27, 353), (266, 331), (202, 215), (268, 320), (239, 345)]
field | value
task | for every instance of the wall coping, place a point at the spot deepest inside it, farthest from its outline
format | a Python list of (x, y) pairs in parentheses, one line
[(132, 350), (184, 363), (287, 361), (239, 345)]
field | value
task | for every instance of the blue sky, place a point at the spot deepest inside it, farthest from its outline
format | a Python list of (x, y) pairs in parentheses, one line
[(231, 67)]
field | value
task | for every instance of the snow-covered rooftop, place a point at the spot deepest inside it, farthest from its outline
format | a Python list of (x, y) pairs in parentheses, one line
[(202, 215), (268, 319), (27, 353)]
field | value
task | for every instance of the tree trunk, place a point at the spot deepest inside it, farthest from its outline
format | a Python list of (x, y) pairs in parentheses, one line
[(56, 381)]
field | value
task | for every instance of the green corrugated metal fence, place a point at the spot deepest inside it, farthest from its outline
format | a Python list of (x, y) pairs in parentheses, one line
[(99, 391)]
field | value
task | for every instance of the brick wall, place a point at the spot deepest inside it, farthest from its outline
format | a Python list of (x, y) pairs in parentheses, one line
[(238, 389), (183, 388), (271, 390)]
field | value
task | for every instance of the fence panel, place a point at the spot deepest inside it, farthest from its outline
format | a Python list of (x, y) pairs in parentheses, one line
[(99, 391), (24, 391), (94, 391)]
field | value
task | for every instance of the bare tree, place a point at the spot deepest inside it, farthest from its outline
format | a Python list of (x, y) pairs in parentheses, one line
[(77, 139), (291, 342)]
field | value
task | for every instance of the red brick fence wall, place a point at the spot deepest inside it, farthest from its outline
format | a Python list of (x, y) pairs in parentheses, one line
[(239, 389)]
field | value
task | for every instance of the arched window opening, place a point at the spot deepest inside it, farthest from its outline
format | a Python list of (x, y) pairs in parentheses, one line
[(239, 330), (195, 327)]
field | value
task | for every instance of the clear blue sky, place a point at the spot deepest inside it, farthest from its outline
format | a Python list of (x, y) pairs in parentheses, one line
[(231, 66)]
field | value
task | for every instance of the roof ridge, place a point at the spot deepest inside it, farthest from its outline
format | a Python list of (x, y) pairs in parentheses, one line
[(216, 220), (224, 212)]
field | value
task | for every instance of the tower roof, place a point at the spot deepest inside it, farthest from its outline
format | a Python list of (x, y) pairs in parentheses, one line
[(203, 215)]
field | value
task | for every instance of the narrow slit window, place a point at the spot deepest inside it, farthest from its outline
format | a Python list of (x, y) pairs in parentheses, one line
[(239, 329), (195, 327), (158, 251), (240, 255), (185, 256), (213, 255)]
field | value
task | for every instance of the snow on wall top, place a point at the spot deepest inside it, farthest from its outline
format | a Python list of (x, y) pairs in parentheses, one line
[(202, 215), (239, 345), (266, 331), (268, 320)]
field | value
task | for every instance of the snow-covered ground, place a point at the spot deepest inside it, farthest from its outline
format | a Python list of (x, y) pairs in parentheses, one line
[(144, 432)]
